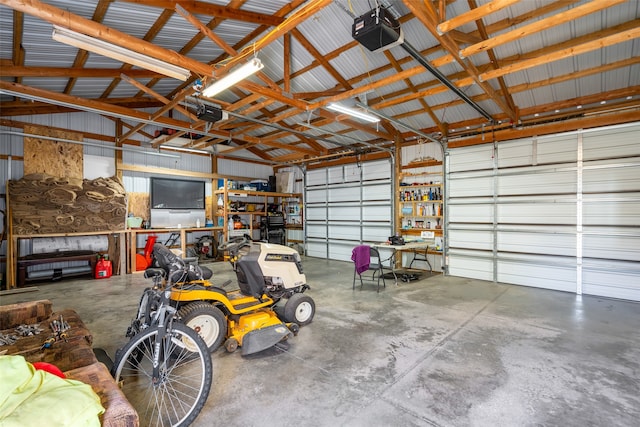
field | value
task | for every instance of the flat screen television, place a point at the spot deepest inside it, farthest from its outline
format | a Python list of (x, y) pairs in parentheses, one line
[(170, 193)]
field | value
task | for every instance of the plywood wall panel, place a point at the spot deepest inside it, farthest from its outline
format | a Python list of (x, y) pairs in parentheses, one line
[(55, 158)]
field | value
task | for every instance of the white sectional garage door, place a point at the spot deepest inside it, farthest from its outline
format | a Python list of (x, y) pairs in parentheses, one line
[(347, 206), (559, 212)]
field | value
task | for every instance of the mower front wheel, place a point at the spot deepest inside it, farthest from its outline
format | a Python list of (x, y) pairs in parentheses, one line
[(207, 320), (299, 309), (231, 345)]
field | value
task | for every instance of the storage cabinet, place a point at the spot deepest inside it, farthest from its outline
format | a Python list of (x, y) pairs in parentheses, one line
[(257, 213)]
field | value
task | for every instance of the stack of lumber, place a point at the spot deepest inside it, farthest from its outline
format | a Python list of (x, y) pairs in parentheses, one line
[(43, 204)]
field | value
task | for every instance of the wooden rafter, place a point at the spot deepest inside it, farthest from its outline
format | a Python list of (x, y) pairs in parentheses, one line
[(473, 15), (538, 26)]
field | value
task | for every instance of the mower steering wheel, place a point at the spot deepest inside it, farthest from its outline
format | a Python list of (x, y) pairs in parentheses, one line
[(234, 244)]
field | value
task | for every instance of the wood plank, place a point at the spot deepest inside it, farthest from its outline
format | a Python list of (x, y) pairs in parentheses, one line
[(473, 15), (543, 24), (82, 25), (564, 53)]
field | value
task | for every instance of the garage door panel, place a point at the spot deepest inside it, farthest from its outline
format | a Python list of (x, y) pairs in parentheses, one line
[(377, 170), (343, 194), (316, 231), (379, 213), (516, 153), (376, 192), (470, 213), (608, 143), (316, 249), (340, 251), (316, 177), (557, 149), (471, 239), (471, 187), (316, 213), (469, 264), (343, 213), (611, 212), (542, 212), (471, 158), (597, 180), (567, 212), (616, 245), (375, 234), (548, 182), (316, 196), (538, 273), (344, 232), (540, 242), (610, 278)]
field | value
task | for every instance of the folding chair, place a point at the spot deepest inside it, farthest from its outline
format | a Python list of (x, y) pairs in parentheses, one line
[(367, 259)]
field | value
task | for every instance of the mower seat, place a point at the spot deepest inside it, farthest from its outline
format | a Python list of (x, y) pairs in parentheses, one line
[(249, 274)]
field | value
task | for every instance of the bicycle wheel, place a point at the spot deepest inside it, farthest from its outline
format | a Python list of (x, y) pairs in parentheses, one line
[(177, 396)]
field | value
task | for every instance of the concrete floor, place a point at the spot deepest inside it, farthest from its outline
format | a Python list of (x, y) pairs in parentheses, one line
[(441, 351)]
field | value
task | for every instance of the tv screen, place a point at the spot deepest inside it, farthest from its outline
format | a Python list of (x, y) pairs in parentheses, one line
[(169, 193)]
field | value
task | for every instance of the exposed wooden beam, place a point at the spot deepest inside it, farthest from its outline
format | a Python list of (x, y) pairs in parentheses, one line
[(79, 24), (547, 129), (82, 55), (97, 106), (157, 96), (543, 24), (149, 36), (411, 87), (564, 53), (218, 11), (320, 58), (302, 14), (286, 63), (473, 15), (493, 60), (427, 14), (48, 72), (17, 54)]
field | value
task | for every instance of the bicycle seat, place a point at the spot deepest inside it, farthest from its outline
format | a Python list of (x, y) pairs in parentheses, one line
[(150, 273)]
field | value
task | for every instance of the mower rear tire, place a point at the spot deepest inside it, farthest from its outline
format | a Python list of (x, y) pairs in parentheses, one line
[(299, 309), (207, 320)]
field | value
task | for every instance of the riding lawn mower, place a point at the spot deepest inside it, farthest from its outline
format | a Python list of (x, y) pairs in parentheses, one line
[(247, 317)]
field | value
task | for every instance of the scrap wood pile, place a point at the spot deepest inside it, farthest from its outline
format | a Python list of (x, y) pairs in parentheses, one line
[(43, 204)]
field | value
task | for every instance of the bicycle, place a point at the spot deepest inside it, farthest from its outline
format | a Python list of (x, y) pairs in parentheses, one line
[(165, 369)]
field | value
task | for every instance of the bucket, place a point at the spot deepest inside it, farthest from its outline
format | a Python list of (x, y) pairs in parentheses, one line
[(104, 269)]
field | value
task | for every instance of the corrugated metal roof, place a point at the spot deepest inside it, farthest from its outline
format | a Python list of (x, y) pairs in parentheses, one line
[(328, 30)]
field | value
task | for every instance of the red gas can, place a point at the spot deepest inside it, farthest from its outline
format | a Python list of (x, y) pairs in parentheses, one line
[(104, 268)]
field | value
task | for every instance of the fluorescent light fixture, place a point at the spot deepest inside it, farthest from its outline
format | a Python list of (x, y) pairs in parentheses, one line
[(353, 112), (91, 44), (233, 77)]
